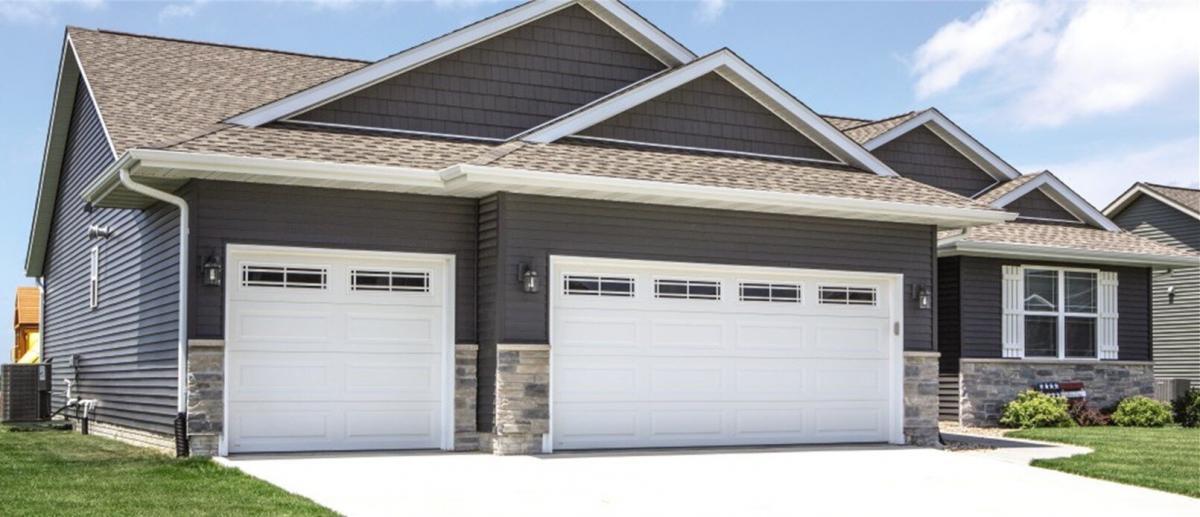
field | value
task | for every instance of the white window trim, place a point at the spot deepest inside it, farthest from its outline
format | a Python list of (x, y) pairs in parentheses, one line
[(687, 282), (874, 295), (600, 278), (1061, 314), (372, 271), (323, 269), (771, 285)]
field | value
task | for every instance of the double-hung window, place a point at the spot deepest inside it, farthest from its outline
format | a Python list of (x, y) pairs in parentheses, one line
[(1060, 313)]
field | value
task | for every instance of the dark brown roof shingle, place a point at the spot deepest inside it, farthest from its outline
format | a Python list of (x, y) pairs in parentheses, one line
[(1188, 197)]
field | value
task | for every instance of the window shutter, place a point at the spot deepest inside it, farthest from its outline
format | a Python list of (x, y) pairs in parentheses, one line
[(1012, 332), (1106, 301)]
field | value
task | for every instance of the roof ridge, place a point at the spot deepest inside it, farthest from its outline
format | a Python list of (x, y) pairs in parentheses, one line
[(885, 119), (216, 44), (1149, 184)]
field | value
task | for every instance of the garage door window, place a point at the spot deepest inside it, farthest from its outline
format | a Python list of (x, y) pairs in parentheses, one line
[(761, 292), (842, 295), (284, 276), (390, 281), (687, 289), (587, 285)]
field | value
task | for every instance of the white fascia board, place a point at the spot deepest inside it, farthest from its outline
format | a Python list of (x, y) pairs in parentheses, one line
[(953, 135), (672, 54), (1119, 204), (476, 180), (964, 247), (739, 73), (639, 30), (1063, 195)]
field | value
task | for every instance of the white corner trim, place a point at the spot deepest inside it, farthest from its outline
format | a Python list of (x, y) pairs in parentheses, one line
[(1063, 195), (953, 135), (660, 45), (740, 74), (1138, 189), (957, 246)]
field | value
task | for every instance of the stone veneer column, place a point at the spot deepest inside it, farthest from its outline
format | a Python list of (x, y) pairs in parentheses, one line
[(466, 365), (522, 398), (988, 384), (206, 395), (921, 399)]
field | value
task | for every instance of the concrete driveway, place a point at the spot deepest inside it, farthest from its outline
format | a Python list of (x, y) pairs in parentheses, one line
[(871, 480)]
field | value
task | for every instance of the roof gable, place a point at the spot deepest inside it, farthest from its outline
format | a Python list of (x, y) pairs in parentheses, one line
[(500, 86), (1183, 200), (1048, 184), (922, 155), (614, 13), (878, 134), (708, 113), (1035, 205), (737, 72)]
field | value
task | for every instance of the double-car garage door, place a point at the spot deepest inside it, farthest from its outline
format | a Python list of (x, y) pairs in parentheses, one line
[(342, 350)]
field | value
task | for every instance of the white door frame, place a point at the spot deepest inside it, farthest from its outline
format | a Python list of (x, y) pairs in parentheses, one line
[(447, 348), (895, 282)]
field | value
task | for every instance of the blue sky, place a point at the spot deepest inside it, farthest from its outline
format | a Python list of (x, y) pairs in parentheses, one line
[(1104, 94)]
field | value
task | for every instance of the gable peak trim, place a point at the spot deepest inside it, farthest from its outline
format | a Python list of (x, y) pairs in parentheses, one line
[(741, 75), (1142, 188), (1060, 193), (612, 12), (948, 131)]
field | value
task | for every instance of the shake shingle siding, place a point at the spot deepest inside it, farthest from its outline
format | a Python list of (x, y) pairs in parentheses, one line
[(709, 113), (923, 156), (1177, 318), (1038, 205), (126, 347), (504, 85), (247, 213), (980, 292)]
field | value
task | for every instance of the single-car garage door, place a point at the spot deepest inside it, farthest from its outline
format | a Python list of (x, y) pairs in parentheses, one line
[(335, 350), (651, 354)]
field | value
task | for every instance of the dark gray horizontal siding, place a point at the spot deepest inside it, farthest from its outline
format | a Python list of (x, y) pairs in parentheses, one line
[(1176, 318), (126, 347), (981, 307), (923, 156), (503, 85), (489, 281), (246, 213), (1038, 204), (535, 227), (709, 113), (949, 314)]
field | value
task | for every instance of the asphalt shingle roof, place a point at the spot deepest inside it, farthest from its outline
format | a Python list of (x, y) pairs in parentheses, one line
[(1188, 197), (1000, 190), (1067, 236)]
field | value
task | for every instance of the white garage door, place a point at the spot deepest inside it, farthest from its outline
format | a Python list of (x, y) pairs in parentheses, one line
[(335, 350), (648, 354)]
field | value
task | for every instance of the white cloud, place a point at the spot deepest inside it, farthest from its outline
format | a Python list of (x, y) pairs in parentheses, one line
[(1063, 62), (709, 10), (43, 11), (1103, 177), (183, 10)]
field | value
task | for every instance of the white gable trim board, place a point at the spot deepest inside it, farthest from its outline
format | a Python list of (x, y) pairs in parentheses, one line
[(1058, 191), (735, 70), (1138, 189), (638, 369), (321, 355), (953, 135), (615, 13)]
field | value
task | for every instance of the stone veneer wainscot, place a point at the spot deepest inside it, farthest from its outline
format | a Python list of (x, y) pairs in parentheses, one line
[(921, 399)]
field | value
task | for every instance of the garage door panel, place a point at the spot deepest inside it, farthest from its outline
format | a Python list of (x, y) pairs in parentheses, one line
[(335, 368), (659, 372)]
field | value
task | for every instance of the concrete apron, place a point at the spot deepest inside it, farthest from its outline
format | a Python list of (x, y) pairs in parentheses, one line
[(1014, 450)]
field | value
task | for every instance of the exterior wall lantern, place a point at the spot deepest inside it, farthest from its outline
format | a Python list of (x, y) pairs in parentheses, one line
[(210, 271), (528, 279), (922, 296)]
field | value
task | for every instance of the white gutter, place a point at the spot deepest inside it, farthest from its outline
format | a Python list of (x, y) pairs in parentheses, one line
[(956, 246), (181, 403)]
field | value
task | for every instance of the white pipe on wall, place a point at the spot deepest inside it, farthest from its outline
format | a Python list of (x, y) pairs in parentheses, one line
[(179, 202)]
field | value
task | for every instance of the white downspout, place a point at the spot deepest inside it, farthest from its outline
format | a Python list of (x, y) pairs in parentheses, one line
[(128, 182)]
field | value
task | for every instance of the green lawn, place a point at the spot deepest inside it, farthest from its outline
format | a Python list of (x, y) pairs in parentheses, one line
[(64, 473), (1165, 459)]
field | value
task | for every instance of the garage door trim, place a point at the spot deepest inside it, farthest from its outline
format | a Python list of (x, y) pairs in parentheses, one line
[(560, 264), (232, 275)]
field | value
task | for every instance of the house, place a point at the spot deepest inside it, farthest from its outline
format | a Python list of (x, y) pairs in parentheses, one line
[(26, 319), (555, 228), (1169, 215)]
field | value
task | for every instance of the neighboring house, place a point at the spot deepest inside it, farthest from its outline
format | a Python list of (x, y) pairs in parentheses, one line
[(1170, 215), (556, 228), (26, 320)]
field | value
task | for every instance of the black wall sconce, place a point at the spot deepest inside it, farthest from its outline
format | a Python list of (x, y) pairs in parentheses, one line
[(210, 271), (922, 296), (528, 278)]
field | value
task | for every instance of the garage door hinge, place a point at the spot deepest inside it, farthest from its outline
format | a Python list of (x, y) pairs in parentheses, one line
[(896, 328)]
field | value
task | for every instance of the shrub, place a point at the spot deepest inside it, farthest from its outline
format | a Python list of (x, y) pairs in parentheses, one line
[(1086, 415), (1034, 409), (1139, 411), (1187, 408)]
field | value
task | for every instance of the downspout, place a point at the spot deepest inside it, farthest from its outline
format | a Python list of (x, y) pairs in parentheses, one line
[(181, 448)]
